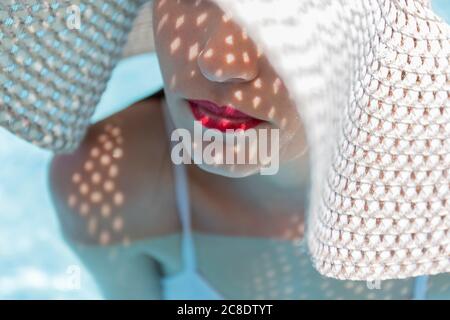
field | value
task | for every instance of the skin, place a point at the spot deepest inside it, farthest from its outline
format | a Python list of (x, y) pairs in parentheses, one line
[(115, 195), (204, 55)]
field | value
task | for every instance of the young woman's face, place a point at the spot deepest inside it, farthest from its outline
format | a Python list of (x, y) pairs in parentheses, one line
[(214, 73)]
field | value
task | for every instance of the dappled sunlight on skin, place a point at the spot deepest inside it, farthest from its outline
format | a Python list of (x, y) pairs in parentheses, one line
[(244, 225), (96, 187), (279, 267), (267, 250), (283, 270), (205, 55)]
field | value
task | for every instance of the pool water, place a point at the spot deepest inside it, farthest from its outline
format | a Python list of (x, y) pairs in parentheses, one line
[(35, 263)]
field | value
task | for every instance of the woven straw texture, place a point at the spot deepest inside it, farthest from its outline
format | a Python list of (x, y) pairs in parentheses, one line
[(53, 73), (371, 82)]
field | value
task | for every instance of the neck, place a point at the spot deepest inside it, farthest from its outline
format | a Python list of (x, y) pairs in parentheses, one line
[(288, 188), (293, 176)]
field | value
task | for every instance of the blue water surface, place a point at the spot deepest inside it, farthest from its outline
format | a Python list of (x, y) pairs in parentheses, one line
[(35, 263)]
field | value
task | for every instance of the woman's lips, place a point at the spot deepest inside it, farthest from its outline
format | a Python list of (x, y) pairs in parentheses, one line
[(221, 118)]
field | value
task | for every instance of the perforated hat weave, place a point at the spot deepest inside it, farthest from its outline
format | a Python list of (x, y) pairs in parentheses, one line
[(371, 83), (371, 80), (52, 72)]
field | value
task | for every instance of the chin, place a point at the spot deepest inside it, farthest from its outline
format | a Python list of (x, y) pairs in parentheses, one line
[(231, 171)]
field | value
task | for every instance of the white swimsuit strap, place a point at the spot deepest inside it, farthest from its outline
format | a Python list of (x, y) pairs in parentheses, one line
[(184, 209), (420, 288), (183, 205)]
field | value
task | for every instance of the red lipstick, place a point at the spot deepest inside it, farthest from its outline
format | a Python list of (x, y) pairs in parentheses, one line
[(222, 118)]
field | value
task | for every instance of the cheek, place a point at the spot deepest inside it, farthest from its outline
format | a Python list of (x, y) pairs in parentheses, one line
[(284, 112), (271, 97)]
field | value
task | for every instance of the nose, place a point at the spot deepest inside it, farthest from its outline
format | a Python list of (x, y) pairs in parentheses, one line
[(229, 55)]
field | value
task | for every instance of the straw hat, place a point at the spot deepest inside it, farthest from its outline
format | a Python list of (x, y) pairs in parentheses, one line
[(371, 82), (140, 40)]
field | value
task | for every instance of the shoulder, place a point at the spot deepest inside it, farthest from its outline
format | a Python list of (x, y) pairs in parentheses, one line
[(117, 187)]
